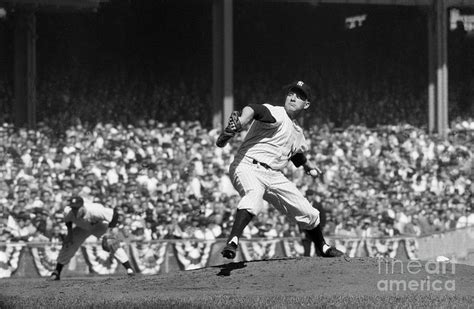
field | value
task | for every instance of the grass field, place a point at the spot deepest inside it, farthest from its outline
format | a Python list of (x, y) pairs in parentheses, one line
[(281, 283)]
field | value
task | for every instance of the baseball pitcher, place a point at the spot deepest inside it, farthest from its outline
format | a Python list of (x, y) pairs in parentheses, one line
[(273, 139), (88, 219)]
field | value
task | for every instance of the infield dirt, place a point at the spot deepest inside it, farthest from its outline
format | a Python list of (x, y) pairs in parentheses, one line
[(279, 283)]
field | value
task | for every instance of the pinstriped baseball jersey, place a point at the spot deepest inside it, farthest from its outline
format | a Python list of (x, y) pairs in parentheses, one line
[(273, 143), (93, 213)]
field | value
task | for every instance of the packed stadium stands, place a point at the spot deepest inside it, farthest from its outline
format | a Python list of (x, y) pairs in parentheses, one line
[(170, 181), (130, 127)]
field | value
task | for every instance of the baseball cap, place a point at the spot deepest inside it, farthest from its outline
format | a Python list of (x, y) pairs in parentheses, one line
[(76, 202), (302, 86)]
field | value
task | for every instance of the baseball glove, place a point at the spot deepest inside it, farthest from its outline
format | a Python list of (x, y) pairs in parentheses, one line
[(110, 244), (234, 126)]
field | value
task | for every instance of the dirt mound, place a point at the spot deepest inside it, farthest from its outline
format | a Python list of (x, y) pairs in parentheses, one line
[(301, 282)]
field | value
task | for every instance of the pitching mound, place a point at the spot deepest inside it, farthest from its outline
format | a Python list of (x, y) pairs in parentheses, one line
[(301, 282)]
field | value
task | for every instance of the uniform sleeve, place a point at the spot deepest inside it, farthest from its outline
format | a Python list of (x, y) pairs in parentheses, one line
[(98, 213), (276, 113), (262, 113)]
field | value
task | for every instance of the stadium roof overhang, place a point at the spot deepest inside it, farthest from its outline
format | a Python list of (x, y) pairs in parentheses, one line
[(222, 51), (94, 4), (52, 4), (449, 3)]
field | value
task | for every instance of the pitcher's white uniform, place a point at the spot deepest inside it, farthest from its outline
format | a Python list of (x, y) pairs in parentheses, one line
[(94, 220), (256, 171)]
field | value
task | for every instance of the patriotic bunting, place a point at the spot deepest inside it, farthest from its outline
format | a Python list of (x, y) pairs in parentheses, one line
[(99, 261), (294, 248), (148, 256), (348, 246), (193, 254), (258, 250), (9, 257), (411, 247), (44, 258), (383, 247)]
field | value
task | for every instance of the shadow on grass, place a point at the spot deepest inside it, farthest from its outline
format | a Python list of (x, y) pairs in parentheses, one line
[(227, 268)]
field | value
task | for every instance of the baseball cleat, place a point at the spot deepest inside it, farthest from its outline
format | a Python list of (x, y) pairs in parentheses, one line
[(54, 276), (130, 272), (332, 252), (229, 251)]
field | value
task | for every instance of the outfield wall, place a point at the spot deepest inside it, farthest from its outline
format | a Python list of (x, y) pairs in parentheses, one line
[(39, 259)]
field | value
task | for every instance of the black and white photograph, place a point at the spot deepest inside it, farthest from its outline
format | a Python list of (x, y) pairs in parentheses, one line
[(236, 154)]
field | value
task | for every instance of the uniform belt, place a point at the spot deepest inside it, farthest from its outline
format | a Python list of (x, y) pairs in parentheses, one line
[(261, 164)]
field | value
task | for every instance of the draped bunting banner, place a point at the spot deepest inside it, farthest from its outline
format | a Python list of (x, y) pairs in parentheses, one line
[(45, 257), (148, 256), (294, 248), (258, 250), (9, 257), (99, 261), (348, 247), (382, 247), (193, 254), (411, 247)]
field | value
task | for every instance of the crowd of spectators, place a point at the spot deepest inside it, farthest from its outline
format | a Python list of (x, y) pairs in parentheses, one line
[(169, 181), (115, 112)]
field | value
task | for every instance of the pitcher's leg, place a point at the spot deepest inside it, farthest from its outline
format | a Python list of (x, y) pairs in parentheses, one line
[(77, 237), (246, 182), (242, 219), (287, 198), (112, 244), (307, 243), (68, 250)]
